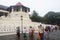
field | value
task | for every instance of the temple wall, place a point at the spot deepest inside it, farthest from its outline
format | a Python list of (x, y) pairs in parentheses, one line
[(8, 24)]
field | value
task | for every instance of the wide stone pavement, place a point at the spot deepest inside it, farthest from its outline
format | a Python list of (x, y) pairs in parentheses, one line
[(52, 36)]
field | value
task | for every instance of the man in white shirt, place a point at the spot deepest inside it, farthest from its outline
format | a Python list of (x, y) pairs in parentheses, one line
[(41, 28)]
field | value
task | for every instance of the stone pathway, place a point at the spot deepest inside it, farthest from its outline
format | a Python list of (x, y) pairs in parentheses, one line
[(52, 36), (55, 35)]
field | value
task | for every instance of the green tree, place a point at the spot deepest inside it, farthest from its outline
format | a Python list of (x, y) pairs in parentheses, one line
[(35, 17), (49, 17), (52, 18)]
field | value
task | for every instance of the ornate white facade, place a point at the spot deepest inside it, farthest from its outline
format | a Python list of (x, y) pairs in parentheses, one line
[(8, 24)]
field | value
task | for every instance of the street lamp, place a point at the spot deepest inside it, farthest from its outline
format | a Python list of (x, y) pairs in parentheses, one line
[(22, 23)]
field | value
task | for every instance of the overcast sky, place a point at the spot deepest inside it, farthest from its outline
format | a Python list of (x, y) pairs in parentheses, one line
[(41, 6)]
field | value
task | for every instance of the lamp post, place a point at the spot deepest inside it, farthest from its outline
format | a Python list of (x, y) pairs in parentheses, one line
[(22, 23)]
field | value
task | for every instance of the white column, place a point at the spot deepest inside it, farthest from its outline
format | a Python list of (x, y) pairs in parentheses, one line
[(21, 9), (12, 9), (27, 11)]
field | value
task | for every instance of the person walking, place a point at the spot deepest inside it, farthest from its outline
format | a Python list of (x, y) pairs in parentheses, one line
[(24, 33), (52, 28), (49, 28), (38, 34), (46, 33), (18, 32), (31, 32), (41, 28)]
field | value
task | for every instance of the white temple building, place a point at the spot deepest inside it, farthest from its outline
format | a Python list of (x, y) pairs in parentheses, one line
[(15, 16)]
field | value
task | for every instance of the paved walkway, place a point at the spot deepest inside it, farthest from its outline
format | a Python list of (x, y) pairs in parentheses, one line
[(52, 36), (55, 35)]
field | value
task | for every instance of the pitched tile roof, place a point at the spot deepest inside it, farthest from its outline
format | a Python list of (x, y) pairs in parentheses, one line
[(19, 4)]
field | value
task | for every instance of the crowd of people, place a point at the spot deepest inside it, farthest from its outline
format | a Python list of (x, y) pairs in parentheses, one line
[(42, 34)]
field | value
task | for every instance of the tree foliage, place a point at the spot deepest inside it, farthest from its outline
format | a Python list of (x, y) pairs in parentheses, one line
[(50, 18), (53, 18), (35, 17)]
